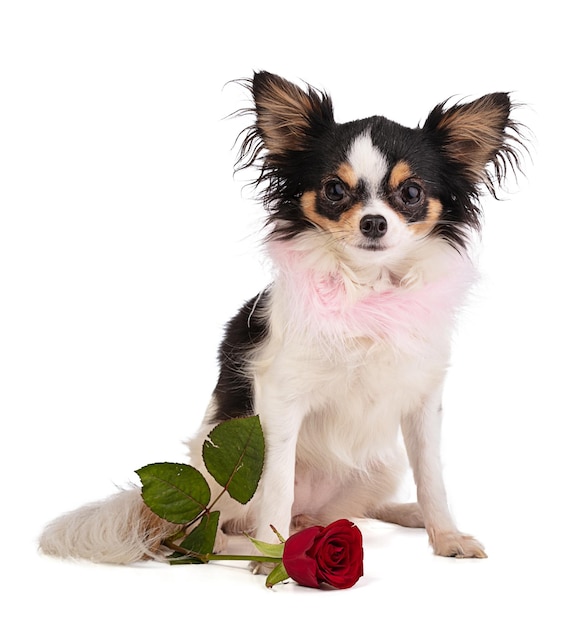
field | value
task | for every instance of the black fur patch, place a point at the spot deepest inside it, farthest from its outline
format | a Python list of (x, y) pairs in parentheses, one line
[(244, 333)]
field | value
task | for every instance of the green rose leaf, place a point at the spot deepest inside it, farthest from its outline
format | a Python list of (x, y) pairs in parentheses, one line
[(200, 541), (277, 575), (174, 491), (274, 550), (234, 454)]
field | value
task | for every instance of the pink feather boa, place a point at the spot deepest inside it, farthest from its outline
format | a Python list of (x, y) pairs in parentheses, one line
[(323, 305)]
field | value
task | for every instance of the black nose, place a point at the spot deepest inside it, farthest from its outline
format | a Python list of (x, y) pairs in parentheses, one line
[(373, 226)]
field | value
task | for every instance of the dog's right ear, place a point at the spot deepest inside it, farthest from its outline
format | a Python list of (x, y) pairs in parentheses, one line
[(288, 117)]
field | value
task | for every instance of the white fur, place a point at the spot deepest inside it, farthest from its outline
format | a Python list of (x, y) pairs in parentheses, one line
[(117, 530), (368, 162)]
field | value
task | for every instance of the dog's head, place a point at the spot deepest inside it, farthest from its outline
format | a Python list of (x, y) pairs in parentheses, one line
[(373, 184)]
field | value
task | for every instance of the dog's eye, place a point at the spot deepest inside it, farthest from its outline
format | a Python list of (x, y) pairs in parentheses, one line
[(411, 193), (335, 190)]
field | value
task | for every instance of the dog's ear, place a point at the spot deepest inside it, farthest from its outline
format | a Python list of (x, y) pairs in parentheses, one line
[(288, 117), (477, 134)]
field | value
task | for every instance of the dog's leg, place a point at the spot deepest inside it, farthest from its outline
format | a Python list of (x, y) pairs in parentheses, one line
[(422, 435), (407, 514), (278, 478), (281, 421)]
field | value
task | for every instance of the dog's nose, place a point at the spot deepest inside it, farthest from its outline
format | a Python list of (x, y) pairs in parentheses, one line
[(373, 226)]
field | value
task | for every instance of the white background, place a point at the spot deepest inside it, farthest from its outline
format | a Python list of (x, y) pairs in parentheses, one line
[(126, 243)]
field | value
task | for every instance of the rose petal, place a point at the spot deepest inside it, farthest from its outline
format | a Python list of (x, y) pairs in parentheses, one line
[(331, 554), (299, 565), (338, 551)]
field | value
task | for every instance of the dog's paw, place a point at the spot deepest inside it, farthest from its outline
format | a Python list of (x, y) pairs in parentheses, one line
[(458, 545), (300, 522), (404, 514), (261, 568)]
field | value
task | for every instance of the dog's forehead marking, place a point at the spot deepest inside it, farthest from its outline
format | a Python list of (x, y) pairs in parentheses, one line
[(367, 161)]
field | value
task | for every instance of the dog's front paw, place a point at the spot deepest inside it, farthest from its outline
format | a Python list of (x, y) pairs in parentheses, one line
[(261, 568), (458, 545)]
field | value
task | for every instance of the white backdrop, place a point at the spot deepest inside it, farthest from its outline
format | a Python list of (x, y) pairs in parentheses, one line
[(126, 243)]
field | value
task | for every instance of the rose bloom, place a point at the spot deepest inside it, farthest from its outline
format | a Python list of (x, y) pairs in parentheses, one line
[(331, 554)]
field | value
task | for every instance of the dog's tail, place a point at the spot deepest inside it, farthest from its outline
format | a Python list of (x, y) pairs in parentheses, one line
[(121, 529)]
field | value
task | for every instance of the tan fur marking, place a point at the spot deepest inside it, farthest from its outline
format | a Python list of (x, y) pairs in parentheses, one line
[(474, 133), (348, 222), (308, 205), (434, 210), (348, 175), (284, 111), (400, 172)]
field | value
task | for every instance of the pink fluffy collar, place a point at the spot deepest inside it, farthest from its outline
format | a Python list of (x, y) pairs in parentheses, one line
[(328, 305)]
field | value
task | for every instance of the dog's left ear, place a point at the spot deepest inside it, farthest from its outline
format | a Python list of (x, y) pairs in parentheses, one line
[(475, 135)]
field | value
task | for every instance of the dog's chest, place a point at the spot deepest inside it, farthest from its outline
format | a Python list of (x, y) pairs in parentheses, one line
[(362, 374), (353, 386), (353, 405)]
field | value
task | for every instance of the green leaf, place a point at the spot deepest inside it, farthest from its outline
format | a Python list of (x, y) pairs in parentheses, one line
[(234, 454), (268, 549), (201, 540), (176, 492), (277, 575)]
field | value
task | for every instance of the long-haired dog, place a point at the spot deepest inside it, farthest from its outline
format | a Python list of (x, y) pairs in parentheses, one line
[(369, 229)]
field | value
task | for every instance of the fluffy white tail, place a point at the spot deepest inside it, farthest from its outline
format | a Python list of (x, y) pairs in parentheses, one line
[(121, 529)]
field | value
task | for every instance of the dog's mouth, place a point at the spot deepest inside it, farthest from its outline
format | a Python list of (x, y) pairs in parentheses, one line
[(372, 246)]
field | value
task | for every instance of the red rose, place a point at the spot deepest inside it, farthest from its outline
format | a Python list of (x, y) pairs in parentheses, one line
[(331, 554)]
